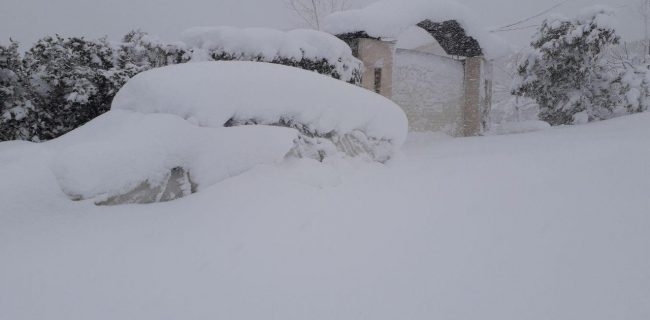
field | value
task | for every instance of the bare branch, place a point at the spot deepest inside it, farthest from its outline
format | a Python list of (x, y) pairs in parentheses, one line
[(312, 12)]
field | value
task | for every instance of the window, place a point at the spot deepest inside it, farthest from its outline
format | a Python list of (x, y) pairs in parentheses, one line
[(378, 80)]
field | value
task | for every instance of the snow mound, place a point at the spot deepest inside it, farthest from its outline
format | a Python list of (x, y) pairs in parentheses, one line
[(390, 18), (144, 158), (177, 130), (218, 94), (270, 45)]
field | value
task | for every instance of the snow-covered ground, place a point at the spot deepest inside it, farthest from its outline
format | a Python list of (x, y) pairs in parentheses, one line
[(552, 224)]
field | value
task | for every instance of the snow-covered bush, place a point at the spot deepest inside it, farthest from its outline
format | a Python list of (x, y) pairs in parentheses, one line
[(635, 89), (69, 82), (306, 49), (566, 72), (176, 130), (140, 52), (146, 52), (16, 116)]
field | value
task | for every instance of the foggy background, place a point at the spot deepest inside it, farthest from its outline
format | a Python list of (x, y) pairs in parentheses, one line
[(28, 20)]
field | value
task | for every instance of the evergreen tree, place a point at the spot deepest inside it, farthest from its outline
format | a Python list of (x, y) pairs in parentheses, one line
[(16, 109), (147, 52), (70, 81), (566, 73), (138, 52)]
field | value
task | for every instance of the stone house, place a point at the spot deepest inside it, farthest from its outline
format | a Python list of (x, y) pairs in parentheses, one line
[(434, 70)]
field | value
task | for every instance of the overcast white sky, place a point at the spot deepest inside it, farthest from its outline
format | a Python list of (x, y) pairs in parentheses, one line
[(27, 20)]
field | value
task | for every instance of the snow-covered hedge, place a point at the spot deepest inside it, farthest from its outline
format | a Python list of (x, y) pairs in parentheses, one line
[(65, 82), (305, 49), (178, 129)]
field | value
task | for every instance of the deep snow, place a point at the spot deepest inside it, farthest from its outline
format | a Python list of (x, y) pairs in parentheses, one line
[(545, 225)]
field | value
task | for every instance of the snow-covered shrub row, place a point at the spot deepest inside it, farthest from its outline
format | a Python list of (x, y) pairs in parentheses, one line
[(568, 76), (390, 18), (62, 83), (306, 49), (176, 130)]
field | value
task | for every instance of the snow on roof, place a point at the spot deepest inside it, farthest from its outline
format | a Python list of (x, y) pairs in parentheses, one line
[(212, 94), (413, 38), (271, 44), (387, 19)]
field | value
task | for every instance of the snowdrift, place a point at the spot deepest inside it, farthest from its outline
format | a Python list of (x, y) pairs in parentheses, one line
[(545, 225), (176, 130)]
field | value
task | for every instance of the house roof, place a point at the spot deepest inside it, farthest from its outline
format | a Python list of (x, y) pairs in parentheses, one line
[(453, 25)]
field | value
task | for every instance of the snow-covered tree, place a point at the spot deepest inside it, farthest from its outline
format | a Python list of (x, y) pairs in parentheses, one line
[(139, 52), (634, 92), (69, 81), (147, 52), (16, 116), (566, 73)]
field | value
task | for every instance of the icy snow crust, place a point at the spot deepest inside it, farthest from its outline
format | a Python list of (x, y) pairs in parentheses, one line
[(388, 19), (269, 45)]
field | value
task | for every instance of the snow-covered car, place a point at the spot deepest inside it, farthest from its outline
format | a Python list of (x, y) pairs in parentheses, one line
[(175, 130)]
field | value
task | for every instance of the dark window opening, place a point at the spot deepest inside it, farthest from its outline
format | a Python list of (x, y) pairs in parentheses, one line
[(378, 80)]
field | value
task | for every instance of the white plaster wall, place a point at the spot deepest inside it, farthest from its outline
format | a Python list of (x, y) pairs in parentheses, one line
[(430, 90)]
